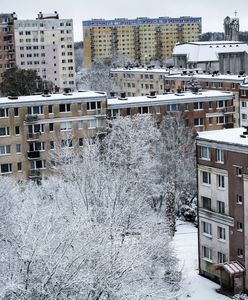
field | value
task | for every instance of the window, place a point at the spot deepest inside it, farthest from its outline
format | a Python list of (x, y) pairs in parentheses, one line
[(207, 253), (51, 127), (36, 146), (35, 110), (19, 166), (205, 152), (37, 164), (206, 177), (244, 116), (51, 145), (80, 124), (206, 203), (240, 226), (243, 103), (198, 122), (18, 148), (93, 105), (220, 207), (198, 105), (50, 109), (238, 171), (220, 181), (66, 143), (221, 233), (17, 130), (16, 111), (220, 120), (4, 131), (4, 112), (207, 228), (91, 124), (239, 199), (221, 258), (36, 128), (219, 156), (5, 168), (5, 150), (144, 110), (172, 107), (81, 142), (240, 253), (65, 126), (64, 107)]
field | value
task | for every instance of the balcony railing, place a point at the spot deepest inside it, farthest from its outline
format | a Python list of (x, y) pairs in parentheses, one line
[(33, 154), (31, 118), (34, 173), (33, 136), (229, 110)]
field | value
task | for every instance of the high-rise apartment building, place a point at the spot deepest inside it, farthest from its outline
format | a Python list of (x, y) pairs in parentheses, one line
[(7, 42), (46, 45), (141, 39)]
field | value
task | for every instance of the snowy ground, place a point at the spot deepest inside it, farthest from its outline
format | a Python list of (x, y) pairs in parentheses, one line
[(196, 287)]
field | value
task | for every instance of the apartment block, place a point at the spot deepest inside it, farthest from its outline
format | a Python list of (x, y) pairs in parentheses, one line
[(203, 111), (34, 127), (222, 160), (237, 84), (46, 45), (140, 39), (7, 42)]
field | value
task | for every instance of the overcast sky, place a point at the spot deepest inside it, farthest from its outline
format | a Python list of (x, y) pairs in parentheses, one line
[(212, 11)]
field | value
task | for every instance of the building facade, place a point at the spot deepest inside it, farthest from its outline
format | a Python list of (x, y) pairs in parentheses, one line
[(222, 159), (237, 84), (223, 56), (46, 45), (32, 127), (203, 111), (7, 42), (141, 39)]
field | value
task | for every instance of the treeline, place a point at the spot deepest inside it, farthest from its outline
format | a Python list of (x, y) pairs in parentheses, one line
[(219, 36)]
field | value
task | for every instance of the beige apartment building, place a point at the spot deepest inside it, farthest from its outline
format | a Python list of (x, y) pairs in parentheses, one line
[(7, 42), (33, 127), (209, 110), (141, 39), (46, 45)]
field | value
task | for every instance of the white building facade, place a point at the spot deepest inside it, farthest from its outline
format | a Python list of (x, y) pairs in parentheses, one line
[(46, 45)]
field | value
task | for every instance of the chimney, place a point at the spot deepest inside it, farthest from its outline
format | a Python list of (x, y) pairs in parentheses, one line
[(152, 94), (123, 96)]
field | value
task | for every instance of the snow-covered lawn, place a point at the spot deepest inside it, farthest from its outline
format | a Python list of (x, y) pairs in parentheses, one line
[(196, 287)]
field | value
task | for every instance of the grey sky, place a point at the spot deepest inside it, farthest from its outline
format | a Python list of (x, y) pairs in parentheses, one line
[(212, 11)]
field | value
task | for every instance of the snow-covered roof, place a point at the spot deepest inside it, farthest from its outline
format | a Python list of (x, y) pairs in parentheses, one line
[(185, 97), (208, 51), (234, 136), (27, 100), (208, 77), (143, 70)]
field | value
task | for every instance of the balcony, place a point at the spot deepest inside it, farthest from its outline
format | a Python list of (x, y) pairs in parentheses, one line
[(229, 110), (35, 173), (29, 119), (33, 136), (33, 154), (217, 217)]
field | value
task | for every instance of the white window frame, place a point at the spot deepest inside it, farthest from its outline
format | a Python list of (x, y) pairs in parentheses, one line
[(32, 110), (220, 181), (220, 156), (221, 207), (5, 150), (33, 164), (7, 132), (9, 166), (66, 126), (205, 153), (221, 233), (207, 229), (221, 257), (207, 253), (208, 177), (5, 112)]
